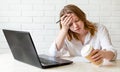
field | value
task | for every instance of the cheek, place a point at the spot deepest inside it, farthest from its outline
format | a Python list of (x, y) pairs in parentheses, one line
[(81, 25), (71, 28)]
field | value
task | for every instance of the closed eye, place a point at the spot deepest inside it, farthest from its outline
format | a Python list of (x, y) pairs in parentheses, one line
[(77, 20)]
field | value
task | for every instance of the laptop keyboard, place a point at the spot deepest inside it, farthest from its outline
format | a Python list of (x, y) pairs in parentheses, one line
[(45, 61)]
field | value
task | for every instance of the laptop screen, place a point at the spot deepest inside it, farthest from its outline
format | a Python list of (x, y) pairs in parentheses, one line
[(22, 46)]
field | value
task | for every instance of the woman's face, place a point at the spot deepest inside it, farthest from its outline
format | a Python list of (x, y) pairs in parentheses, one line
[(77, 25)]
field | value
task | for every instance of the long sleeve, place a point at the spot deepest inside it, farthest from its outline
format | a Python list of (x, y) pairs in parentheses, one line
[(54, 52), (105, 41)]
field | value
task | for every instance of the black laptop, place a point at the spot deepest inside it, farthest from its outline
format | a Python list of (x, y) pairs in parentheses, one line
[(23, 49)]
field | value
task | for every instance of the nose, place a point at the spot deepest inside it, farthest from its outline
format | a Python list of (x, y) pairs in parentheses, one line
[(75, 25)]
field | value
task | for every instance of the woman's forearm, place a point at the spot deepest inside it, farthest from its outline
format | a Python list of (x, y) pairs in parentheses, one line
[(60, 38)]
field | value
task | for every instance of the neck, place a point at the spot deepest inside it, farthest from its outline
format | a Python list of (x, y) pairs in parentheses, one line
[(84, 32), (82, 36)]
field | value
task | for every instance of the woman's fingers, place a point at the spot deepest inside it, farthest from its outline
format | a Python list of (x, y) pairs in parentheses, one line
[(99, 60), (64, 16), (97, 57), (68, 20), (94, 51)]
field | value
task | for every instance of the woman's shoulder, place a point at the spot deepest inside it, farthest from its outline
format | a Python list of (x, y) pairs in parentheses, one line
[(100, 26)]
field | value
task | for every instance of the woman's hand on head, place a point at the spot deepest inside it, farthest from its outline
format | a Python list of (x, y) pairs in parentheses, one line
[(66, 21)]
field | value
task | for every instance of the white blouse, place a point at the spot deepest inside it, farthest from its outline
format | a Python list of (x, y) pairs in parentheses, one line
[(101, 40)]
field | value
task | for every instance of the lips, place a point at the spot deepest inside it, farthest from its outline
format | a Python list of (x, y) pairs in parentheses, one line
[(77, 29)]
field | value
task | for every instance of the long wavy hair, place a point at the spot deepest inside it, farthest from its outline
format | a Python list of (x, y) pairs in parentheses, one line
[(82, 16)]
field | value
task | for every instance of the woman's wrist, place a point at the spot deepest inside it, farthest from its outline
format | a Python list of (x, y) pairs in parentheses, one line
[(108, 55), (104, 54), (64, 30)]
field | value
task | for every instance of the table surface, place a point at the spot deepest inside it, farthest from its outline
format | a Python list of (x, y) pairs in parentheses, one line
[(9, 64)]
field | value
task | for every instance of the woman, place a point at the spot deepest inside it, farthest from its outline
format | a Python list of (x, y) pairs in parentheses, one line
[(76, 31)]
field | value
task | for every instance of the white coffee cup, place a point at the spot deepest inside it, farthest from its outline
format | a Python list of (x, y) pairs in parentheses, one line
[(86, 52)]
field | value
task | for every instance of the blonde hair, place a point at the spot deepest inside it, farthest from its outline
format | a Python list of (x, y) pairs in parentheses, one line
[(81, 15)]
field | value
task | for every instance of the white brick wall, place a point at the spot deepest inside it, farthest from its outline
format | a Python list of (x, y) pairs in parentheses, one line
[(39, 17)]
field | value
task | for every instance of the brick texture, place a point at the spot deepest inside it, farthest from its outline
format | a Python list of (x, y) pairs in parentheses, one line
[(39, 17)]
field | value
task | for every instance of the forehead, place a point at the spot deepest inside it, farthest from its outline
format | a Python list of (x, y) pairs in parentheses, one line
[(74, 16)]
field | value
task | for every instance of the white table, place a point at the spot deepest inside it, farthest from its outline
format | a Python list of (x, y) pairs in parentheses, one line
[(9, 64)]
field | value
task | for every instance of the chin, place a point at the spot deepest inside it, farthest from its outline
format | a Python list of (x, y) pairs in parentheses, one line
[(79, 32), (76, 32)]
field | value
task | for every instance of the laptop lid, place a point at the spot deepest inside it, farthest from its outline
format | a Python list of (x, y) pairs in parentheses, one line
[(22, 47)]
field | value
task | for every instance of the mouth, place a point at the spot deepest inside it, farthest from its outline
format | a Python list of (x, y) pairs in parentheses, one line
[(77, 29)]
